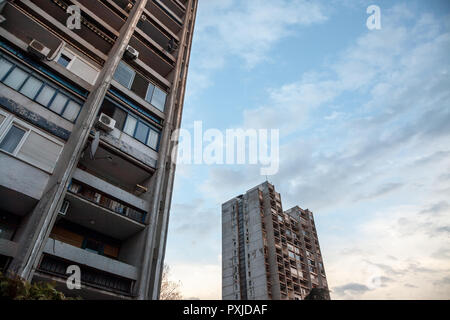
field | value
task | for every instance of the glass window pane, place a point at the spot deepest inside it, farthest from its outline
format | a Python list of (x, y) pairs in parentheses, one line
[(130, 124), (4, 67), (31, 87), (141, 132), (159, 99), (64, 60), (149, 94), (58, 103), (2, 117), (124, 75), (12, 139), (119, 116), (16, 78), (71, 111), (45, 95), (152, 140)]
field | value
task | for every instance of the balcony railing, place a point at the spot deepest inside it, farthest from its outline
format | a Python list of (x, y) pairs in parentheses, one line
[(99, 198), (95, 278)]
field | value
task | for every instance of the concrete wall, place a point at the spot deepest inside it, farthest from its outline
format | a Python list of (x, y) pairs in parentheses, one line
[(21, 177), (257, 281), (131, 250), (8, 248)]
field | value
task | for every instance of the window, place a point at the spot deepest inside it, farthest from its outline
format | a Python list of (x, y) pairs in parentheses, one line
[(93, 246), (46, 95), (72, 110), (131, 124), (132, 80), (40, 151), (5, 66), (124, 75), (159, 99), (64, 60), (58, 103), (152, 140), (15, 78), (149, 94), (12, 139), (31, 87), (78, 66), (35, 88), (141, 132)]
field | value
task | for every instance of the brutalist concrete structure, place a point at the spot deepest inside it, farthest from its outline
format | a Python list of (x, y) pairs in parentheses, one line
[(88, 105), (268, 253)]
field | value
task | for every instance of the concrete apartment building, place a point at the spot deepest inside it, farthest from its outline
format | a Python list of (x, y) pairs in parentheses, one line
[(86, 117), (268, 253)]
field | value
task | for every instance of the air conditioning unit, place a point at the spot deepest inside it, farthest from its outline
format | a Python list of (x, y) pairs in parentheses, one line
[(64, 208), (106, 123), (172, 46), (38, 49), (131, 53)]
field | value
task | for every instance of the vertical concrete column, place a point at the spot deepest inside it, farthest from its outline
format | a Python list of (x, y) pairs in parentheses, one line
[(156, 232), (39, 222)]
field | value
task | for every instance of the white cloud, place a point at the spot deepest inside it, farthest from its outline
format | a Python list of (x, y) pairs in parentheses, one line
[(245, 29), (200, 281), (403, 244)]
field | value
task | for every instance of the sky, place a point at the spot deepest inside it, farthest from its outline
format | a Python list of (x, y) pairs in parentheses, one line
[(364, 124)]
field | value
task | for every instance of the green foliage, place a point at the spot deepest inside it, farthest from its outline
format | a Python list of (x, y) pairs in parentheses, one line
[(15, 288)]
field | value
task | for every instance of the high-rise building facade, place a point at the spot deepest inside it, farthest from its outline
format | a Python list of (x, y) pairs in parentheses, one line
[(268, 253), (90, 94)]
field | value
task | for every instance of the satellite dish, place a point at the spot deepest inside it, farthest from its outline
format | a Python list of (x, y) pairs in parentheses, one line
[(94, 145)]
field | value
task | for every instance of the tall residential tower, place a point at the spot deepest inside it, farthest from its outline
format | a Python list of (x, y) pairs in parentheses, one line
[(90, 93), (268, 253)]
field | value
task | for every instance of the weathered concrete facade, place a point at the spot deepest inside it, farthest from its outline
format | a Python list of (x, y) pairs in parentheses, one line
[(268, 253), (74, 190)]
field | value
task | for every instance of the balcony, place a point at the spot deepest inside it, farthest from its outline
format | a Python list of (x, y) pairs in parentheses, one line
[(126, 199), (157, 34), (104, 11), (85, 258), (19, 191), (175, 6), (116, 221), (97, 272), (93, 36), (124, 170), (163, 14), (151, 55)]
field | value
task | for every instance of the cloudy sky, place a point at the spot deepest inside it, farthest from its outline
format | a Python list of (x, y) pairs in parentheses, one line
[(364, 120)]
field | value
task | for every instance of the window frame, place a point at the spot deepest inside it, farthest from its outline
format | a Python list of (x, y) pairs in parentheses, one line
[(45, 82), (5, 131), (11, 120), (130, 113), (150, 83)]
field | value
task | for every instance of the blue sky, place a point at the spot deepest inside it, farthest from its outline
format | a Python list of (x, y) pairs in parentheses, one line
[(364, 120)]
